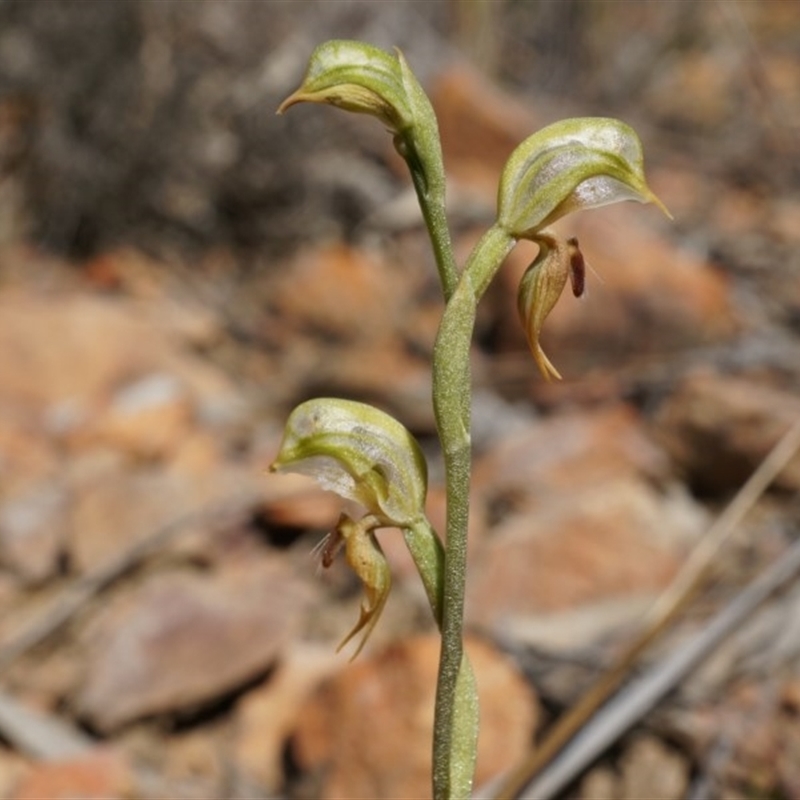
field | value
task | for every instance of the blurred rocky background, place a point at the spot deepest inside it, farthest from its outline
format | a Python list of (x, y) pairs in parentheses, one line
[(179, 267)]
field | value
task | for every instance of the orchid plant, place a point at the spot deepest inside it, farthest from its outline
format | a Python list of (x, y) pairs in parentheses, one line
[(368, 457)]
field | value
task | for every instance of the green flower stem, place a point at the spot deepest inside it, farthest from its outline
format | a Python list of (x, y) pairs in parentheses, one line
[(463, 744), (432, 203), (428, 554), (421, 148), (573, 164), (451, 398), (426, 549)]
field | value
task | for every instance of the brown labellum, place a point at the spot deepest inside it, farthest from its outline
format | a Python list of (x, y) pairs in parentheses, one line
[(577, 268), (329, 548)]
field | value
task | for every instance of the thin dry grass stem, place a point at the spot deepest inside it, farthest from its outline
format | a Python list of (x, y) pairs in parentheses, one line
[(642, 694), (698, 565), (673, 600)]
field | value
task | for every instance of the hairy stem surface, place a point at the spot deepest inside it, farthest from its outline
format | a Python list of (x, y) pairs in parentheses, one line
[(451, 397), (432, 204)]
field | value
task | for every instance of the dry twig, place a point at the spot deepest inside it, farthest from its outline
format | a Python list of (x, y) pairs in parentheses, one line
[(520, 781)]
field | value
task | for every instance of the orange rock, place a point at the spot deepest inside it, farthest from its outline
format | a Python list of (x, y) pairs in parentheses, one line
[(784, 221), (67, 347), (14, 769), (380, 369), (719, 428), (683, 189), (651, 769), (701, 91), (197, 454), (146, 419), (617, 540), (790, 694), (314, 508), (577, 521), (66, 354), (181, 640), (126, 269), (100, 775), (194, 764), (33, 530), (341, 292), (297, 501), (601, 783), (367, 731), (264, 717), (114, 507), (27, 458), (566, 453), (479, 125)]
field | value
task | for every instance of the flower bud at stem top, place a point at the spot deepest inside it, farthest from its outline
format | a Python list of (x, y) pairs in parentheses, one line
[(358, 77), (354, 76)]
